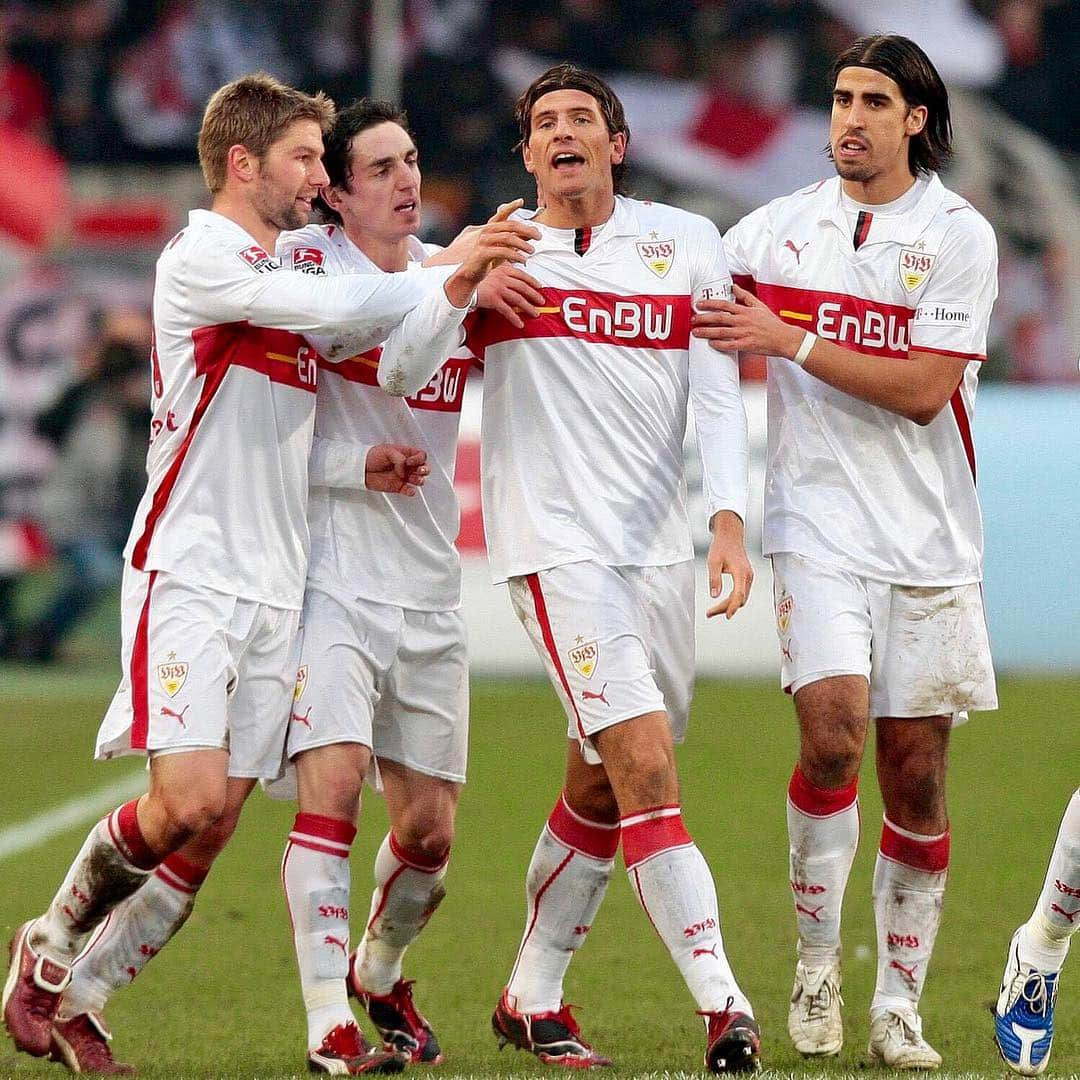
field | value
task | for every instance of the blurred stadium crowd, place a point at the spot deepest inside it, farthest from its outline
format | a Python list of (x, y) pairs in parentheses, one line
[(100, 102)]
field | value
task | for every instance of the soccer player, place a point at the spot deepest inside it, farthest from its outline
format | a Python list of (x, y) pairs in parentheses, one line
[(383, 687), (1024, 1016), (584, 500), (871, 293), (216, 561)]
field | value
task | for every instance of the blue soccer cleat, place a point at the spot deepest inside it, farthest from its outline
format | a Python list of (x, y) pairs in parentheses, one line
[(1024, 1016)]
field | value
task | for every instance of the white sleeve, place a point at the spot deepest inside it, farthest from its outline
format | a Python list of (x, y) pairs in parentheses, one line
[(421, 344), (336, 464), (742, 244), (366, 306), (715, 398), (953, 313)]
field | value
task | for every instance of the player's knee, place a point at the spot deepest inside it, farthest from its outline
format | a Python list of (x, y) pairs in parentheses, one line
[(594, 801), (647, 775), (832, 750), (190, 813), (427, 832)]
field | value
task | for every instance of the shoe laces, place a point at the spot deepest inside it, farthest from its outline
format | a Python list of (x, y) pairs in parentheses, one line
[(907, 1031), (1034, 993), (720, 1019), (818, 1003)]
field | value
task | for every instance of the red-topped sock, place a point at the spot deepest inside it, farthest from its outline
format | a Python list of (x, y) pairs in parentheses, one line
[(823, 836), (315, 875), (672, 881), (565, 885)]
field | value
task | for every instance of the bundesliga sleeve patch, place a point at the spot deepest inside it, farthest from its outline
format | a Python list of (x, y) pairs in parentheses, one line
[(933, 314), (258, 259), (308, 260)]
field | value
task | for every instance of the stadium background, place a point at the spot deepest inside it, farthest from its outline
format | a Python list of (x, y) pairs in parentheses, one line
[(99, 106)]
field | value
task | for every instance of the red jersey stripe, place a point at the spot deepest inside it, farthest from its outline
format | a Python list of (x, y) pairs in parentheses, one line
[(445, 392), (549, 643), (139, 673), (948, 352), (633, 321), (963, 424)]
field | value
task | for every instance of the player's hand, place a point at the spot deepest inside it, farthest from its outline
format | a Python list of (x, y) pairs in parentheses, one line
[(727, 555), (745, 325), (512, 293), (398, 470), (458, 248)]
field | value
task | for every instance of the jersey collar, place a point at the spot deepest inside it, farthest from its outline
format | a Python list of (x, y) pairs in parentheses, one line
[(895, 228), (623, 222)]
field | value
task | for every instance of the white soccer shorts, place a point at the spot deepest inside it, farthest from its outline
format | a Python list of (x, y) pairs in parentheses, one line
[(201, 669), (616, 642), (924, 651), (390, 678)]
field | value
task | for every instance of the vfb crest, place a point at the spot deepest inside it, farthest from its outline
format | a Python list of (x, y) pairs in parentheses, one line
[(783, 612), (172, 676), (914, 266), (301, 683), (657, 255), (584, 657)]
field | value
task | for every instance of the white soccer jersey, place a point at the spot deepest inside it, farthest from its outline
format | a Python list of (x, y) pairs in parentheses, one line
[(585, 408), (234, 403), (849, 483), (367, 544)]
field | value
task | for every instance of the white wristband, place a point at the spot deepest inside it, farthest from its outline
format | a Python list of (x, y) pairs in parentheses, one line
[(804, 349)]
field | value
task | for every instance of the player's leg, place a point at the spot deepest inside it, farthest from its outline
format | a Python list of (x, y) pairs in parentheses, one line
[(1024, 1016), (909, 882), (132, 935), (329, 742), (931, 662), (567, 878), (410, 871), (673, 883), (187, 793), (420, 736), (824, 625)]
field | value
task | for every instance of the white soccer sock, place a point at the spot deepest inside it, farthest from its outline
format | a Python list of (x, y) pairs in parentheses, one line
[(132, 936), (408, 889), (315, 875), (909, 892), (823, 836), (113, 862), (568, 876), (672, 881), (1044, 939)]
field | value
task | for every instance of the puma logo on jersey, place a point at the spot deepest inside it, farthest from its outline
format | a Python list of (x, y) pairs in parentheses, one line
[(177, 716), (589, 695), (790, 245), (302, 719)]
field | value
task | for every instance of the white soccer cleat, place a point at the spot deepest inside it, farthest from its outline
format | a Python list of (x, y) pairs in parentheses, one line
[(1024, 1015), (814, 1022), (896, 1041)]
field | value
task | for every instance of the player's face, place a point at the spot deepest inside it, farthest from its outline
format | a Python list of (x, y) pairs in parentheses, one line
[(289, 176), (383, 199), (570, 151), (871, 126)]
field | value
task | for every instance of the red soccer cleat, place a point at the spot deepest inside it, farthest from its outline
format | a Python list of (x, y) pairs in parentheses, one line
[(554, 1037), (82, 1044), (32, 994), (403, 1029), (344, 1053), (733, 1042)]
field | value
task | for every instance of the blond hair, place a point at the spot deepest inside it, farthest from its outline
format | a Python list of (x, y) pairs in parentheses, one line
[(253, 111)]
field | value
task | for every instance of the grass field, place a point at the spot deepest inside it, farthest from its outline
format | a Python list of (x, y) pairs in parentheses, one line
[(223, 999)]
